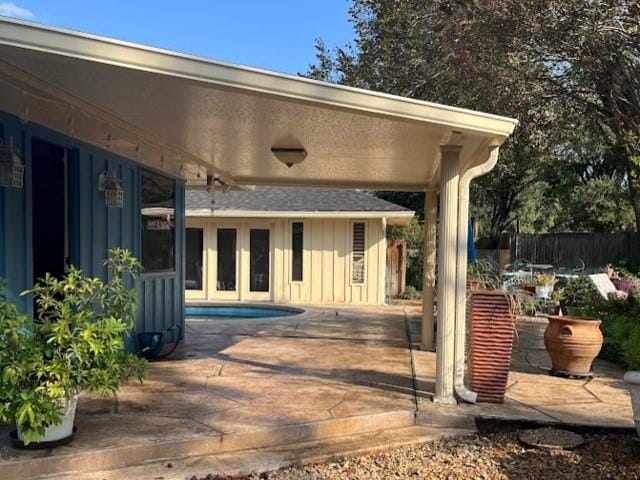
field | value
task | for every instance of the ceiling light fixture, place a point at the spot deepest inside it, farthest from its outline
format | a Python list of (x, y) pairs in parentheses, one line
[(289, 156)]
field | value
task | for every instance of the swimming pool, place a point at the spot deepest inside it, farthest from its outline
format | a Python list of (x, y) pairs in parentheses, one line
[(240, 311)]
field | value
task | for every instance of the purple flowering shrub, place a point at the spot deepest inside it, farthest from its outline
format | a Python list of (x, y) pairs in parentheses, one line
[(627, 284)]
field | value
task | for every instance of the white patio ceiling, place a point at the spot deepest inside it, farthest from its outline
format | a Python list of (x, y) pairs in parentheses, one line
[(195, 117)]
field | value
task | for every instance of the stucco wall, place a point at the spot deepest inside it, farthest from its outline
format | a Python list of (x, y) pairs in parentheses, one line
[(326, 262)]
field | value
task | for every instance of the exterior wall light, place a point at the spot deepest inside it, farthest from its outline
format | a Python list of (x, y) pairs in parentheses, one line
[(11, 168), (289, 156), (112, 188)]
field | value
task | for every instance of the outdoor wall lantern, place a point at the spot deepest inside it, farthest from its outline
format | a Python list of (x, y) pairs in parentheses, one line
[(112, 188), (11, 168), (289, 156)]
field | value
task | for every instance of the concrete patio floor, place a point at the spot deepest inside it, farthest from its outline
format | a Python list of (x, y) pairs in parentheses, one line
[(240, 385), (533, 394)]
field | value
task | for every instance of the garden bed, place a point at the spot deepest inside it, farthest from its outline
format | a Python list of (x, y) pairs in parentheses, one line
[(490, 456)]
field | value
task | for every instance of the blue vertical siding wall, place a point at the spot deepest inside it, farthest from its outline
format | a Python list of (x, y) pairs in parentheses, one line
[(93, 228), (15, 244)]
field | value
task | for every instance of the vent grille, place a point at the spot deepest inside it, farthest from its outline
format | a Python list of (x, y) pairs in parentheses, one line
[(358, 253)]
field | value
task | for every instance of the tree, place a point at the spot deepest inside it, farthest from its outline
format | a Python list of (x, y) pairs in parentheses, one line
[(515, 59), (587, 54)]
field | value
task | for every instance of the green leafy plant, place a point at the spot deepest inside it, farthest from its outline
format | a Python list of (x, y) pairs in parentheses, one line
[(626, 268), (621, 329), (484, 274), (75, 343), (579, 292), (556, 297), (409, 293), (545, 279)]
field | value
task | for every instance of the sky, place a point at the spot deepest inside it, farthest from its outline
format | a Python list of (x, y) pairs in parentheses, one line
[(272, 34)]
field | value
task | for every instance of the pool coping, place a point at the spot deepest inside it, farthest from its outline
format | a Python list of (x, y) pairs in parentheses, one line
[(295, 311)]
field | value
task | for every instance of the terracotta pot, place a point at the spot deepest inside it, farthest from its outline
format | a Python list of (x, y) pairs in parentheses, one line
[(492, 330), (572, 343)]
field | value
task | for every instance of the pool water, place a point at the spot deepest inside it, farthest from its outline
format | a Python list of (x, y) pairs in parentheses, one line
[(240, 311)]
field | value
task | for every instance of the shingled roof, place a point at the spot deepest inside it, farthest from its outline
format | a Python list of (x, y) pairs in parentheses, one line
[(290, 199)]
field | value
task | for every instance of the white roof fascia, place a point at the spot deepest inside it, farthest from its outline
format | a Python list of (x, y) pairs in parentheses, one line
[(94, 48)]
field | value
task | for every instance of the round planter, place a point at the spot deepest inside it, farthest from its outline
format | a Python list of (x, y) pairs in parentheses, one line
[(60, 431), (492, 330), (632, 379), (572, 343), (544, 291)]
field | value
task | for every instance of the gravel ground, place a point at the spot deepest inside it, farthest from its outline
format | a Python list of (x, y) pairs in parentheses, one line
[(492, 456)]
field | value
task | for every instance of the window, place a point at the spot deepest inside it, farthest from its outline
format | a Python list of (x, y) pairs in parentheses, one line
[(158, 209), (194, 253), (226, 259), (259, 260), (296, 251), (358, 253)]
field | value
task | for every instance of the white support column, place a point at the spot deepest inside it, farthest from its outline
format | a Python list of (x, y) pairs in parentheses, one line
[(447, 248), (461, 276), (429, 269)]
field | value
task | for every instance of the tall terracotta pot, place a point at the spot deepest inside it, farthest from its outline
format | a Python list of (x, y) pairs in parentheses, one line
[(492, 330), (572, 343)]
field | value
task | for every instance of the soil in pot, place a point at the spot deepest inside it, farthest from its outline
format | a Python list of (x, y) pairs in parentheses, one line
[(572, 343), (492, 330)]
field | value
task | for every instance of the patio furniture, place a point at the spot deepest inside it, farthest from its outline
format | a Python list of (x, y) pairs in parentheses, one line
[(578, 269), (522, 264), (511, 279), (518, 265)]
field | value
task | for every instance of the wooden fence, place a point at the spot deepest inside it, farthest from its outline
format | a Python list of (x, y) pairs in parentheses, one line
[(567, 250)]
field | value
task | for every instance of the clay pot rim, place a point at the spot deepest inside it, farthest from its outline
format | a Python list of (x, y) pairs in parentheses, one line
[(582, 320)]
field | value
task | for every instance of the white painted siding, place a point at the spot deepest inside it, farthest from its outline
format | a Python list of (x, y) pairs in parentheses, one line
[(327, 262)]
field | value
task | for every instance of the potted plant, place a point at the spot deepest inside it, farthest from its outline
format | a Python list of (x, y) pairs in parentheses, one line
[(544, 285), (493, 312), (74, 344), (576, 294), (573, 341), (553, 305)]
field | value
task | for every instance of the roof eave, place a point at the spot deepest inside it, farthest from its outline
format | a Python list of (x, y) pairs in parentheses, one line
[(399, 216), (58, 41)]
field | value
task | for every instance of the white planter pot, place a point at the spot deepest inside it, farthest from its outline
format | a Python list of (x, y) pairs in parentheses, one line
[(632, 379), (544, 291), (64, 428)]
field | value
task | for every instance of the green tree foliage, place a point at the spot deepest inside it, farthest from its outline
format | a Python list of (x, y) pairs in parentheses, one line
[(569, 71), (413, 236), (75, 343)]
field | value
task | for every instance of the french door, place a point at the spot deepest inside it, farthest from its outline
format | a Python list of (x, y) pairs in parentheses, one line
[(259, 261)]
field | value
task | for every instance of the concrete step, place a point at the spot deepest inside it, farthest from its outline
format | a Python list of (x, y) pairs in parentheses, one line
[(58, 461), (271, 458)]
